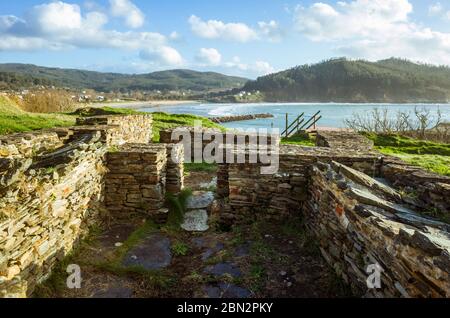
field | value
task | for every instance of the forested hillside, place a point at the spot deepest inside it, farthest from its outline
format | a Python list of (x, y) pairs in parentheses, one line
[(20, 76), (342, 80)]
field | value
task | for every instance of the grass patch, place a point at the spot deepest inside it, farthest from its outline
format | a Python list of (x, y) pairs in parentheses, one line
[(432, 156), (134, 239), (177, 207), (180, 249), (13, 119), (165, 121), (301, 140), (200, 167)]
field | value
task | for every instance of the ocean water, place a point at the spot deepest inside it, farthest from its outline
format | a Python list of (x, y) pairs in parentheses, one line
[(333, 114)]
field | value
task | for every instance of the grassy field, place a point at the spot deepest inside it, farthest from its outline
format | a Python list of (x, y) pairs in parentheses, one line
[(303, 140), (432, 156), (165, 121), (13, 119)]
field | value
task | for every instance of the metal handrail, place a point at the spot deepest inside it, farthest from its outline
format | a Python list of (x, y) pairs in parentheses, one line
[(296, 120), (296, 127), (309, 120), (315, 122)]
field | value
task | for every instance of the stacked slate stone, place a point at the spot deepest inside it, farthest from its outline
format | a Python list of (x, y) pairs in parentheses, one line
[(365, 228), (253, 195), (28, 144), (426, 190), (343, 139), (197, 141), (45, 207), (206, 137), (175, 168), (120, 129), (52, 189), (136, 181)]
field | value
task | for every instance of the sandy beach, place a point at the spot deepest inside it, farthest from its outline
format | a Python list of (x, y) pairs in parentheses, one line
[(141, 104)]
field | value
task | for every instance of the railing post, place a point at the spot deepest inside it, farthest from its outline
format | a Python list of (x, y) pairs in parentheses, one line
[(314, 122), (287, 124)]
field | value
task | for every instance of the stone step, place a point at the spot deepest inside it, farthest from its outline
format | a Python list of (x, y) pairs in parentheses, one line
[(200, 200), (195, 221)]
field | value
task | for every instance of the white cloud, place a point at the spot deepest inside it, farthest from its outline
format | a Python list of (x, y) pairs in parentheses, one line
[(209, 56), (214, 29), (257, 68), (164, 55), (55, 17), (270, 30), (134, 17), (58, 25), (373, 30), (435, 9), (174, 35)]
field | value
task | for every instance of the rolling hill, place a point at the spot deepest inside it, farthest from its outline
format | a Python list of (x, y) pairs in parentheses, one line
[(18, 76), (342, 80)]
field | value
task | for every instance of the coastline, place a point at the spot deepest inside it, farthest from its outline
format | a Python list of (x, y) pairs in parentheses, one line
[(140, 104)]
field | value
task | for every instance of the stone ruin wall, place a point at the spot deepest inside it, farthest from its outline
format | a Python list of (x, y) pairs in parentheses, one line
[(52, 190), (353, 231), (359, 222), (426, 191), (139, 176), (279, 195), (207, 138)]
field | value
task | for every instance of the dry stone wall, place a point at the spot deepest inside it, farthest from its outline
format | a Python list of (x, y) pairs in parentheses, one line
[(343, 139), (360, 222), (427, 191), (252, 194), (136, 181), (45, 210), (51, 191), (119, 130), (201, 138)]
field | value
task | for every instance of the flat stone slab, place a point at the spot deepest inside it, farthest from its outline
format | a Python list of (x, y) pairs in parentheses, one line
[(213, 250), (200, 200), (152, 253), (195, 221), (221, 269), (225, 290), (242, 250), (115, 292)]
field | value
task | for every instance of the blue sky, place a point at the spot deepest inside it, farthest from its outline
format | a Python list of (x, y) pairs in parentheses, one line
[(239, 37)]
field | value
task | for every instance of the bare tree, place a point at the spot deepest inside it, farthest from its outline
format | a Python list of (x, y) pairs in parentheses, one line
[(422, 123)]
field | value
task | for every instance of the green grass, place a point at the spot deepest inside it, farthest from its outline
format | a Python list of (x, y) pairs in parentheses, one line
[(177, 207), (13, 119), (179, 248), (200, 167), (135, 237), (166, 121), (301, 140), (432, 156)]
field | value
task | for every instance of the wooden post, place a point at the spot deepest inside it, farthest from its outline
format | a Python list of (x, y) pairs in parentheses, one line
[(287, 124), (314, 122)]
